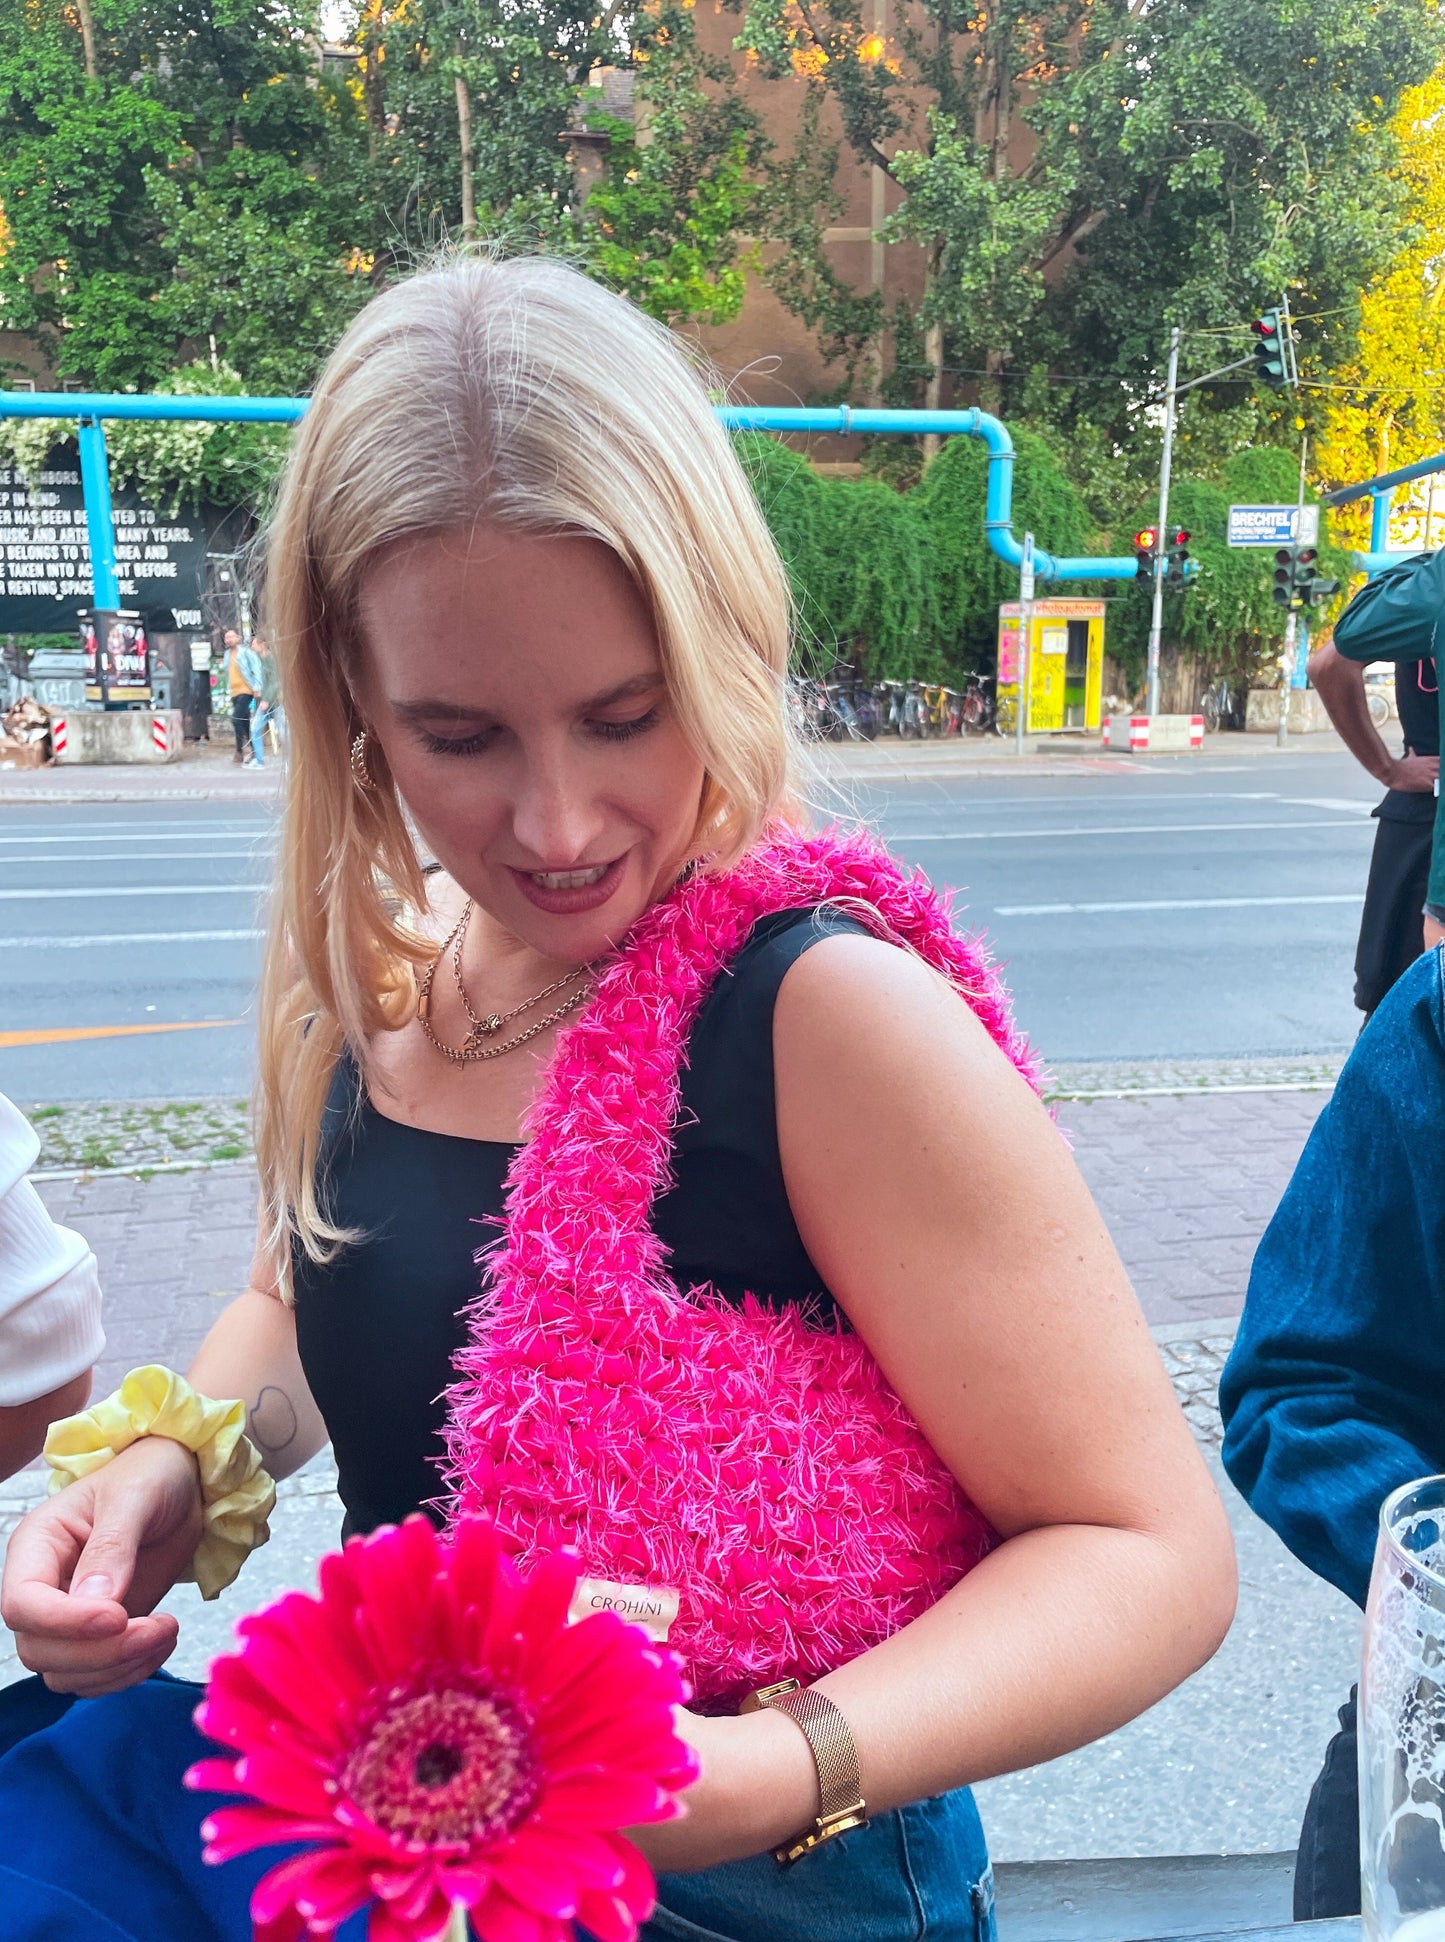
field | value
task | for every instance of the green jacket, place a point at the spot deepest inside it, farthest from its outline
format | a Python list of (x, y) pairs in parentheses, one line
[(270, 688), (1397, 617)]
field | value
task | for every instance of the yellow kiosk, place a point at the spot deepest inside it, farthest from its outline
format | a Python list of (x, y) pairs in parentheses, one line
[(1066, 663)]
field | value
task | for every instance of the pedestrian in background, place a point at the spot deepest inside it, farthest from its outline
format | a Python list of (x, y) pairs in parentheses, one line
[(50, 1333), (1392, 924), (1396, 617), (266, 710), (243, 684)]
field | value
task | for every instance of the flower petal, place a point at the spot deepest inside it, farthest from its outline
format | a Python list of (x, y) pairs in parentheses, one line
[(237, 1830), (500, 1919), (394, 1570), (296, 1882), (277, 1780), (534, 1888), (601, 1799), (215, 1776), (585, 1859), (335, 1888)]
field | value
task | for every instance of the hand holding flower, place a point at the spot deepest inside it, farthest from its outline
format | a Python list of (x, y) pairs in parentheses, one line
[(444, 1740)]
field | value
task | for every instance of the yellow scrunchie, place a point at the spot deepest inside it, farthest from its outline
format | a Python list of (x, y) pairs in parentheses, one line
[(238, 1494)]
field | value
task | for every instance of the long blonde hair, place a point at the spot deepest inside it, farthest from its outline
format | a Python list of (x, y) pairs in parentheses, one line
[(518, 392)]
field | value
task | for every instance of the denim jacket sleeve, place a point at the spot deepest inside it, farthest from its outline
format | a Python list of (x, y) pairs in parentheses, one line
[(1335, 1391)]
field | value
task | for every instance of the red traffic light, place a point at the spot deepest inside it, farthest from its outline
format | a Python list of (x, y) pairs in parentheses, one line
[(1306, 555), (1147, 539), (1179, 537), (1266, 326)]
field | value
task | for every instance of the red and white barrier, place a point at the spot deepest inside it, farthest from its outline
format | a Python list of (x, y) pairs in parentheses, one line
[(161, 735), (59, 734), (1154, 734)]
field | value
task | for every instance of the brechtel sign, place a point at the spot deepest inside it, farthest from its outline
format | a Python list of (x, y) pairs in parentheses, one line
[(1274, 525)]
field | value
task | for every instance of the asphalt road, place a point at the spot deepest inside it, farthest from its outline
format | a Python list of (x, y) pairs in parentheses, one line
[(1201, 908)]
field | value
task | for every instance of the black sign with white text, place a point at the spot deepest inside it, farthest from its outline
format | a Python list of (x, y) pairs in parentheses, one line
[(45, 552)]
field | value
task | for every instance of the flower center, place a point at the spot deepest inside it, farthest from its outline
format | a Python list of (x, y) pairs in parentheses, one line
[(445, 1764)]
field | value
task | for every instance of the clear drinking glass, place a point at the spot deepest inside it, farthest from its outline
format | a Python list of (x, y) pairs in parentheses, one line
[(1402, 1722)]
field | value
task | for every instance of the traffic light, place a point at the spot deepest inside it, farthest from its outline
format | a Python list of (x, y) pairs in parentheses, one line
[(1146, 542), (1270, 365), (1176, 574), (1297, 581)]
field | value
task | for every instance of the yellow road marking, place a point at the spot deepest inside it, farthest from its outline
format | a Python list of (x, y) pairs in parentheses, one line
[(69, 1033)]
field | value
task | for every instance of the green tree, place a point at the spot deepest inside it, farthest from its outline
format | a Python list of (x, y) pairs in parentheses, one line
[(668, 224), (1224, 152), (176, 183), (1088, 171)]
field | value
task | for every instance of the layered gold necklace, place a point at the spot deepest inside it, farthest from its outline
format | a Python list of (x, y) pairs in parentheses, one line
[(482, 1032)]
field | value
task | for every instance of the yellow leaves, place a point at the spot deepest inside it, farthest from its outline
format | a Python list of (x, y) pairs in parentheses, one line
[(808, 62), (872, 50), (1390, 410)]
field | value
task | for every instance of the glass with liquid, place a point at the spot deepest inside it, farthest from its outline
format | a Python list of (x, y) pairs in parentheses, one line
[(1402, 1722)]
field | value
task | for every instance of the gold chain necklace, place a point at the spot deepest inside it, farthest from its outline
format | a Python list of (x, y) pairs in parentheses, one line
[(481, 1031)]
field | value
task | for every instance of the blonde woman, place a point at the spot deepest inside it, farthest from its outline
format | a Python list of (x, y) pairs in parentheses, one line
[(831, 1349)]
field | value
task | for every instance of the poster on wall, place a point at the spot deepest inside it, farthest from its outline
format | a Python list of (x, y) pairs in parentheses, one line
[(119, 669), (45, 552)]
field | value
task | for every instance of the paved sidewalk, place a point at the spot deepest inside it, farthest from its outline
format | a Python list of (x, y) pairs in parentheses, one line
[(1186, 1183), (209, 772)]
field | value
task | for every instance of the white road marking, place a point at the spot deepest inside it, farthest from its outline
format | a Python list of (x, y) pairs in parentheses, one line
[(132, 890), (146, 832), (124, 937), (1357, 803), (1112, 829), (1172, 903), (250, 853)]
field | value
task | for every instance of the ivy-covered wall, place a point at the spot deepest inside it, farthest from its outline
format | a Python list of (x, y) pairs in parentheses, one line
[(904, 584)]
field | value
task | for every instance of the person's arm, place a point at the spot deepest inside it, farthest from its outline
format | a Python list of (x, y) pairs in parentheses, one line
[(23, 1425), (947, 1216), (1395, 616), (1332, 1394), (50, 1330), (1341, 686), (84, 1571)]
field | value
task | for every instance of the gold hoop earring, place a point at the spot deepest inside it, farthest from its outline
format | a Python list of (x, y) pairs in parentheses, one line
[(360, 770)]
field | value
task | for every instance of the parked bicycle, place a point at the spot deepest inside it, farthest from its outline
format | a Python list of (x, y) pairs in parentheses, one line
[(979, 705), (1218, 705)]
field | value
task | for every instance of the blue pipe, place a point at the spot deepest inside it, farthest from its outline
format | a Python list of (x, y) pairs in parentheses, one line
[(99, 521), (998, 504), (141, 404), (1380, 522), (1346, 495)]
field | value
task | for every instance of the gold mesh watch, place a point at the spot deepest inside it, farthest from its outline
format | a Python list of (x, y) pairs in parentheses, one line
[(841, 1805)]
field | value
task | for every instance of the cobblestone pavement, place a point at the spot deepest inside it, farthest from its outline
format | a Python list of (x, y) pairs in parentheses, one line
[(1186, 1182)]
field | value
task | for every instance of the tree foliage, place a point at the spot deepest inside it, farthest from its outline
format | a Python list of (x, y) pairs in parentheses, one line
[(1386, 404), (1090, 171), (904, 584)]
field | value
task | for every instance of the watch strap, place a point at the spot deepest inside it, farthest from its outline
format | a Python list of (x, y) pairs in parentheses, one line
[(841, 1805)]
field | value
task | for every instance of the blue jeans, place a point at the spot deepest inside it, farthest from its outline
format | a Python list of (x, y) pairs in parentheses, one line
[(99, 1843), (919, 1874), (261, 720)]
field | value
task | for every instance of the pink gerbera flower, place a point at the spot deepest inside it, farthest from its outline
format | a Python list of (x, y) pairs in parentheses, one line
[(434, 1726)]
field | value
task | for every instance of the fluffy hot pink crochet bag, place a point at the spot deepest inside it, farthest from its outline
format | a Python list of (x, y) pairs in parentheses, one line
[(755, 1461)]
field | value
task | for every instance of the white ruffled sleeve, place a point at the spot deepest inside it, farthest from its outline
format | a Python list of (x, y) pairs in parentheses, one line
[(50, 1328)]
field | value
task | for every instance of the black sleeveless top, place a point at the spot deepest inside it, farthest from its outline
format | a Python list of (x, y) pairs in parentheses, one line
[(378, 1328)]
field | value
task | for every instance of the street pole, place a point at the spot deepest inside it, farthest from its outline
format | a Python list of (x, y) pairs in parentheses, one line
[(1026, 631), (1156, 616), (1287, 653)]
